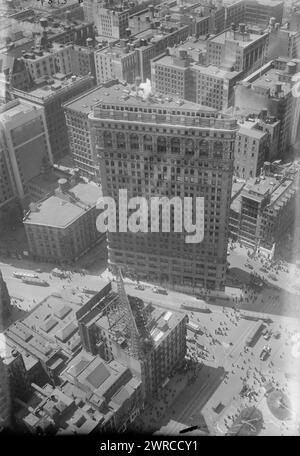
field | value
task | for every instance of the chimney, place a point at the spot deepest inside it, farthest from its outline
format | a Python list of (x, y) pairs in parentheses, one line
[(242, 28), (291, 67), (278, 88), (63, 185), (151, 9)]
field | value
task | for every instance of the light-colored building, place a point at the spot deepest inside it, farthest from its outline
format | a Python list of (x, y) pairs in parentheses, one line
[(154, 42), (263, 213), (79, 134), (56, 58), (251, 150), (111, 22), (237, 50), (63, 227), (119, 61), (160, 146), (177, 75)]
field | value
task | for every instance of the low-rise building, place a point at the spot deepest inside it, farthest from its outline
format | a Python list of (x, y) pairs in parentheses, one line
[(151, 341), (262, 214), (237, 49), (62, 227)]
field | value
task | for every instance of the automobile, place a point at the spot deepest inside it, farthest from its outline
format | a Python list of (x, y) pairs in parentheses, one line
[(159, 290), (38, 270), (265, 353), (139, 287), (266, 334)]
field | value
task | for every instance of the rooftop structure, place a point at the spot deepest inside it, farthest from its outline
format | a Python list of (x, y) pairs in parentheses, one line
[(263, 212), (61, 217), (124, 328), (62, 209), (237, 49), (271, 89), (51, 93)]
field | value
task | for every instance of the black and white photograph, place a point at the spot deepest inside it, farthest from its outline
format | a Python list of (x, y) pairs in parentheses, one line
[(149, 222)]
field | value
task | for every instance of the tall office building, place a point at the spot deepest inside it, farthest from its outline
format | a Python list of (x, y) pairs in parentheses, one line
[(51, 95), (24, 147), (152, 146)]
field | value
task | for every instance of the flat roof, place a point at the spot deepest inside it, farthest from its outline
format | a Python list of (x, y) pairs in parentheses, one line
[(227, 35), (58, 212), (215, 71), (128, 96), (85, 103), (253, 132), (269, 79), (55, 212), (14, 109)]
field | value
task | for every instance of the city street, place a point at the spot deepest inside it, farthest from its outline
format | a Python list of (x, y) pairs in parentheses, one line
[(222, 364)]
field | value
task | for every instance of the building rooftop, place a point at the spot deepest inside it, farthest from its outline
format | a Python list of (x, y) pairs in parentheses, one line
[(85, 103), (15, 109), (110, 382), (269, 79), (259, 188), (130, 97), (61, 210), (243, 40), (251, 132), (267, 2), (51, 86), (48, 181), (211, 70)]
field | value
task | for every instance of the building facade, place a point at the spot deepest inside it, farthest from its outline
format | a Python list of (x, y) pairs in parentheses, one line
[(172, 148), (25, 146), (259, 12), (251, 150), (152, 353), (117, 62), (271, 89), (263, 213), (51, 96), (206, 85), (237, 49), (63, 226)]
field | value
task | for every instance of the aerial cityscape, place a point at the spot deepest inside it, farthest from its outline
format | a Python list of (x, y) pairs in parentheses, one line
[(150, 217)]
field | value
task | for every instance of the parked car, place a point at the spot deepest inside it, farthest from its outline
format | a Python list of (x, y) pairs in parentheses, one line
[(159, 290), (139, 287)]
